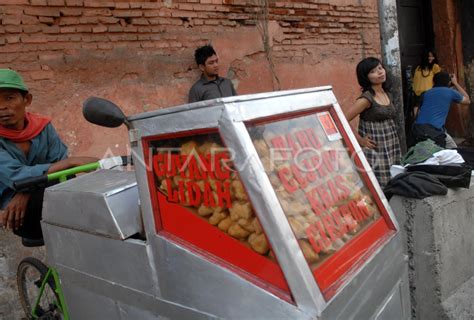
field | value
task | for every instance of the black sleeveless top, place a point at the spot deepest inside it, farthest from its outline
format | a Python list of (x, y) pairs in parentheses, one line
[(376, 111)]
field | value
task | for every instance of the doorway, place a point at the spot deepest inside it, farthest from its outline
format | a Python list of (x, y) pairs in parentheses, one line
[(415, 26)]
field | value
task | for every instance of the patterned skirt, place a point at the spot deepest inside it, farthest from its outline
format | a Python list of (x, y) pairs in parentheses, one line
[(387, 152)]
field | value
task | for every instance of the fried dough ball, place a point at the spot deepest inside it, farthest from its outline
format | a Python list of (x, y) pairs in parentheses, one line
[(262, 148), (238, 190), (188, 147), (209, 147), (297, 227), (236, 231), (310, 255), (204, 211), (257, 226), (217, 217), (225, 224), (259, 243), (247, 224), (240, 210)]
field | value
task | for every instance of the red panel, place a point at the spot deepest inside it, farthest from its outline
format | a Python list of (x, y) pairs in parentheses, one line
[(184, 224), (353, 254)]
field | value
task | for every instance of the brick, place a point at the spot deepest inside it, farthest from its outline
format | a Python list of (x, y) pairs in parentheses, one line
[(146, 45), (13, 10), (11, 20), (38, 2), (48, 56), (99, 29), (152, 5), (45, 12), (13, 29), (67, 30), (97, 12), (127, 13), (115, 29), (84, 29), (88, 20), (2, 41), (142, 37), (95, 38), (99, 4), (46, 20), (71, 12), (56, 3), (140, 21), (74, 3), (122, 5), (41, 75), (108, 20), (89, 45), (105, 46), (149, 14), (66, 21), (51, 30), (12, 39), (31, 29), (36, 38), (123, 37), (145, 29), (130, 29), (29, 20)]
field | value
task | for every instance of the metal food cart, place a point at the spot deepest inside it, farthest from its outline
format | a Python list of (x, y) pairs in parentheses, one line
[(249, 207)]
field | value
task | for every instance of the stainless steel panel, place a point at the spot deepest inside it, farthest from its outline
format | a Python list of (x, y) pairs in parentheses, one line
[(189, 279), (116, 261), (104, 202), (93, 298), (365, 295)]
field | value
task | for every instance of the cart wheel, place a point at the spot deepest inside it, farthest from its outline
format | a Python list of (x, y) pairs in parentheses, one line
[(30, 275)]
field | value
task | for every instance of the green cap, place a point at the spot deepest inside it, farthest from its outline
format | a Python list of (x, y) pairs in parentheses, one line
[(11, 79)]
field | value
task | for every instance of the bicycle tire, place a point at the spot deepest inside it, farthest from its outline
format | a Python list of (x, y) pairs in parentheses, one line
[(30, 275)]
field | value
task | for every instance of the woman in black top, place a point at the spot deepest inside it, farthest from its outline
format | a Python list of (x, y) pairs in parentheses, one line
[(377, 132)]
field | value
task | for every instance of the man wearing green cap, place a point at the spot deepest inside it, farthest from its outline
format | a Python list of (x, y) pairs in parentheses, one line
[(29, 147)]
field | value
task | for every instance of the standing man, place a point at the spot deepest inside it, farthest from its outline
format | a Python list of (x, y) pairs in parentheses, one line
[(210, 86), (435, 106)]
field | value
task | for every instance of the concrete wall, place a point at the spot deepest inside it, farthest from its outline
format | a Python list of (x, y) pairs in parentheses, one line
[(440, 246)]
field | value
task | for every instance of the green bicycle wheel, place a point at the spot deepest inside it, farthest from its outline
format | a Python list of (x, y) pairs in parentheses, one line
[(30, 275)]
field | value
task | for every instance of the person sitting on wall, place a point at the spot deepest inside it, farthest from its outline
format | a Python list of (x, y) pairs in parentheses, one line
[(29, 147), (210, 85), (434, 109)]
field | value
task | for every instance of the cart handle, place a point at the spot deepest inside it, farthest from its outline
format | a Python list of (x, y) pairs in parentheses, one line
[(106, 163)]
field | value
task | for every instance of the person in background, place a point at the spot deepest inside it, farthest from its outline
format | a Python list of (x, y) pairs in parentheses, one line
[(377, 131), (424, 73), (210, 85), (436, 104), (29, 147)]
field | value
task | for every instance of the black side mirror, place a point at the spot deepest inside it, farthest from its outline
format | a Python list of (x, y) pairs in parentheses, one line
[(103, 112)]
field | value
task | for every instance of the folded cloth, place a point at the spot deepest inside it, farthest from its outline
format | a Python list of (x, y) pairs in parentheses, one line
[(416, 184), (448, 157), (420, 152), (452, 176)]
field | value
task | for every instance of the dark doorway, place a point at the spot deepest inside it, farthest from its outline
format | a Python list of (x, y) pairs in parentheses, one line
[(415, 25)]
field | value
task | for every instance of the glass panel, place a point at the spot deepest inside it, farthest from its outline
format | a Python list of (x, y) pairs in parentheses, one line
[(196, 172), (317, 183)]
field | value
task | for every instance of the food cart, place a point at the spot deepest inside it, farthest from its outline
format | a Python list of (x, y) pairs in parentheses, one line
[(249, 207)]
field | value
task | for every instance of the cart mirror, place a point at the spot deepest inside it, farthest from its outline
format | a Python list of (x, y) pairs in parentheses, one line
[(103, 112)]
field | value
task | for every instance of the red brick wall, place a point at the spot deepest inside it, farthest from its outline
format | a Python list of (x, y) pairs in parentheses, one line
[(140, 53)]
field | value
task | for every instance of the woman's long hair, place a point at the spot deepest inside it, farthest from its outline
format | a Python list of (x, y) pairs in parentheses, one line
[(362, 70), (425, 63)]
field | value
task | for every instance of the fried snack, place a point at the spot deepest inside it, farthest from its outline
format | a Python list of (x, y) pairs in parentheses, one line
[(257, 226), (209, 147), (259, 243), (217, 217), (225, 224), (238, 191), (310, 255), (297, 227), (204, 211), (188, 147), (262, 148), (240, 210), (236, 231), (247, 224)]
